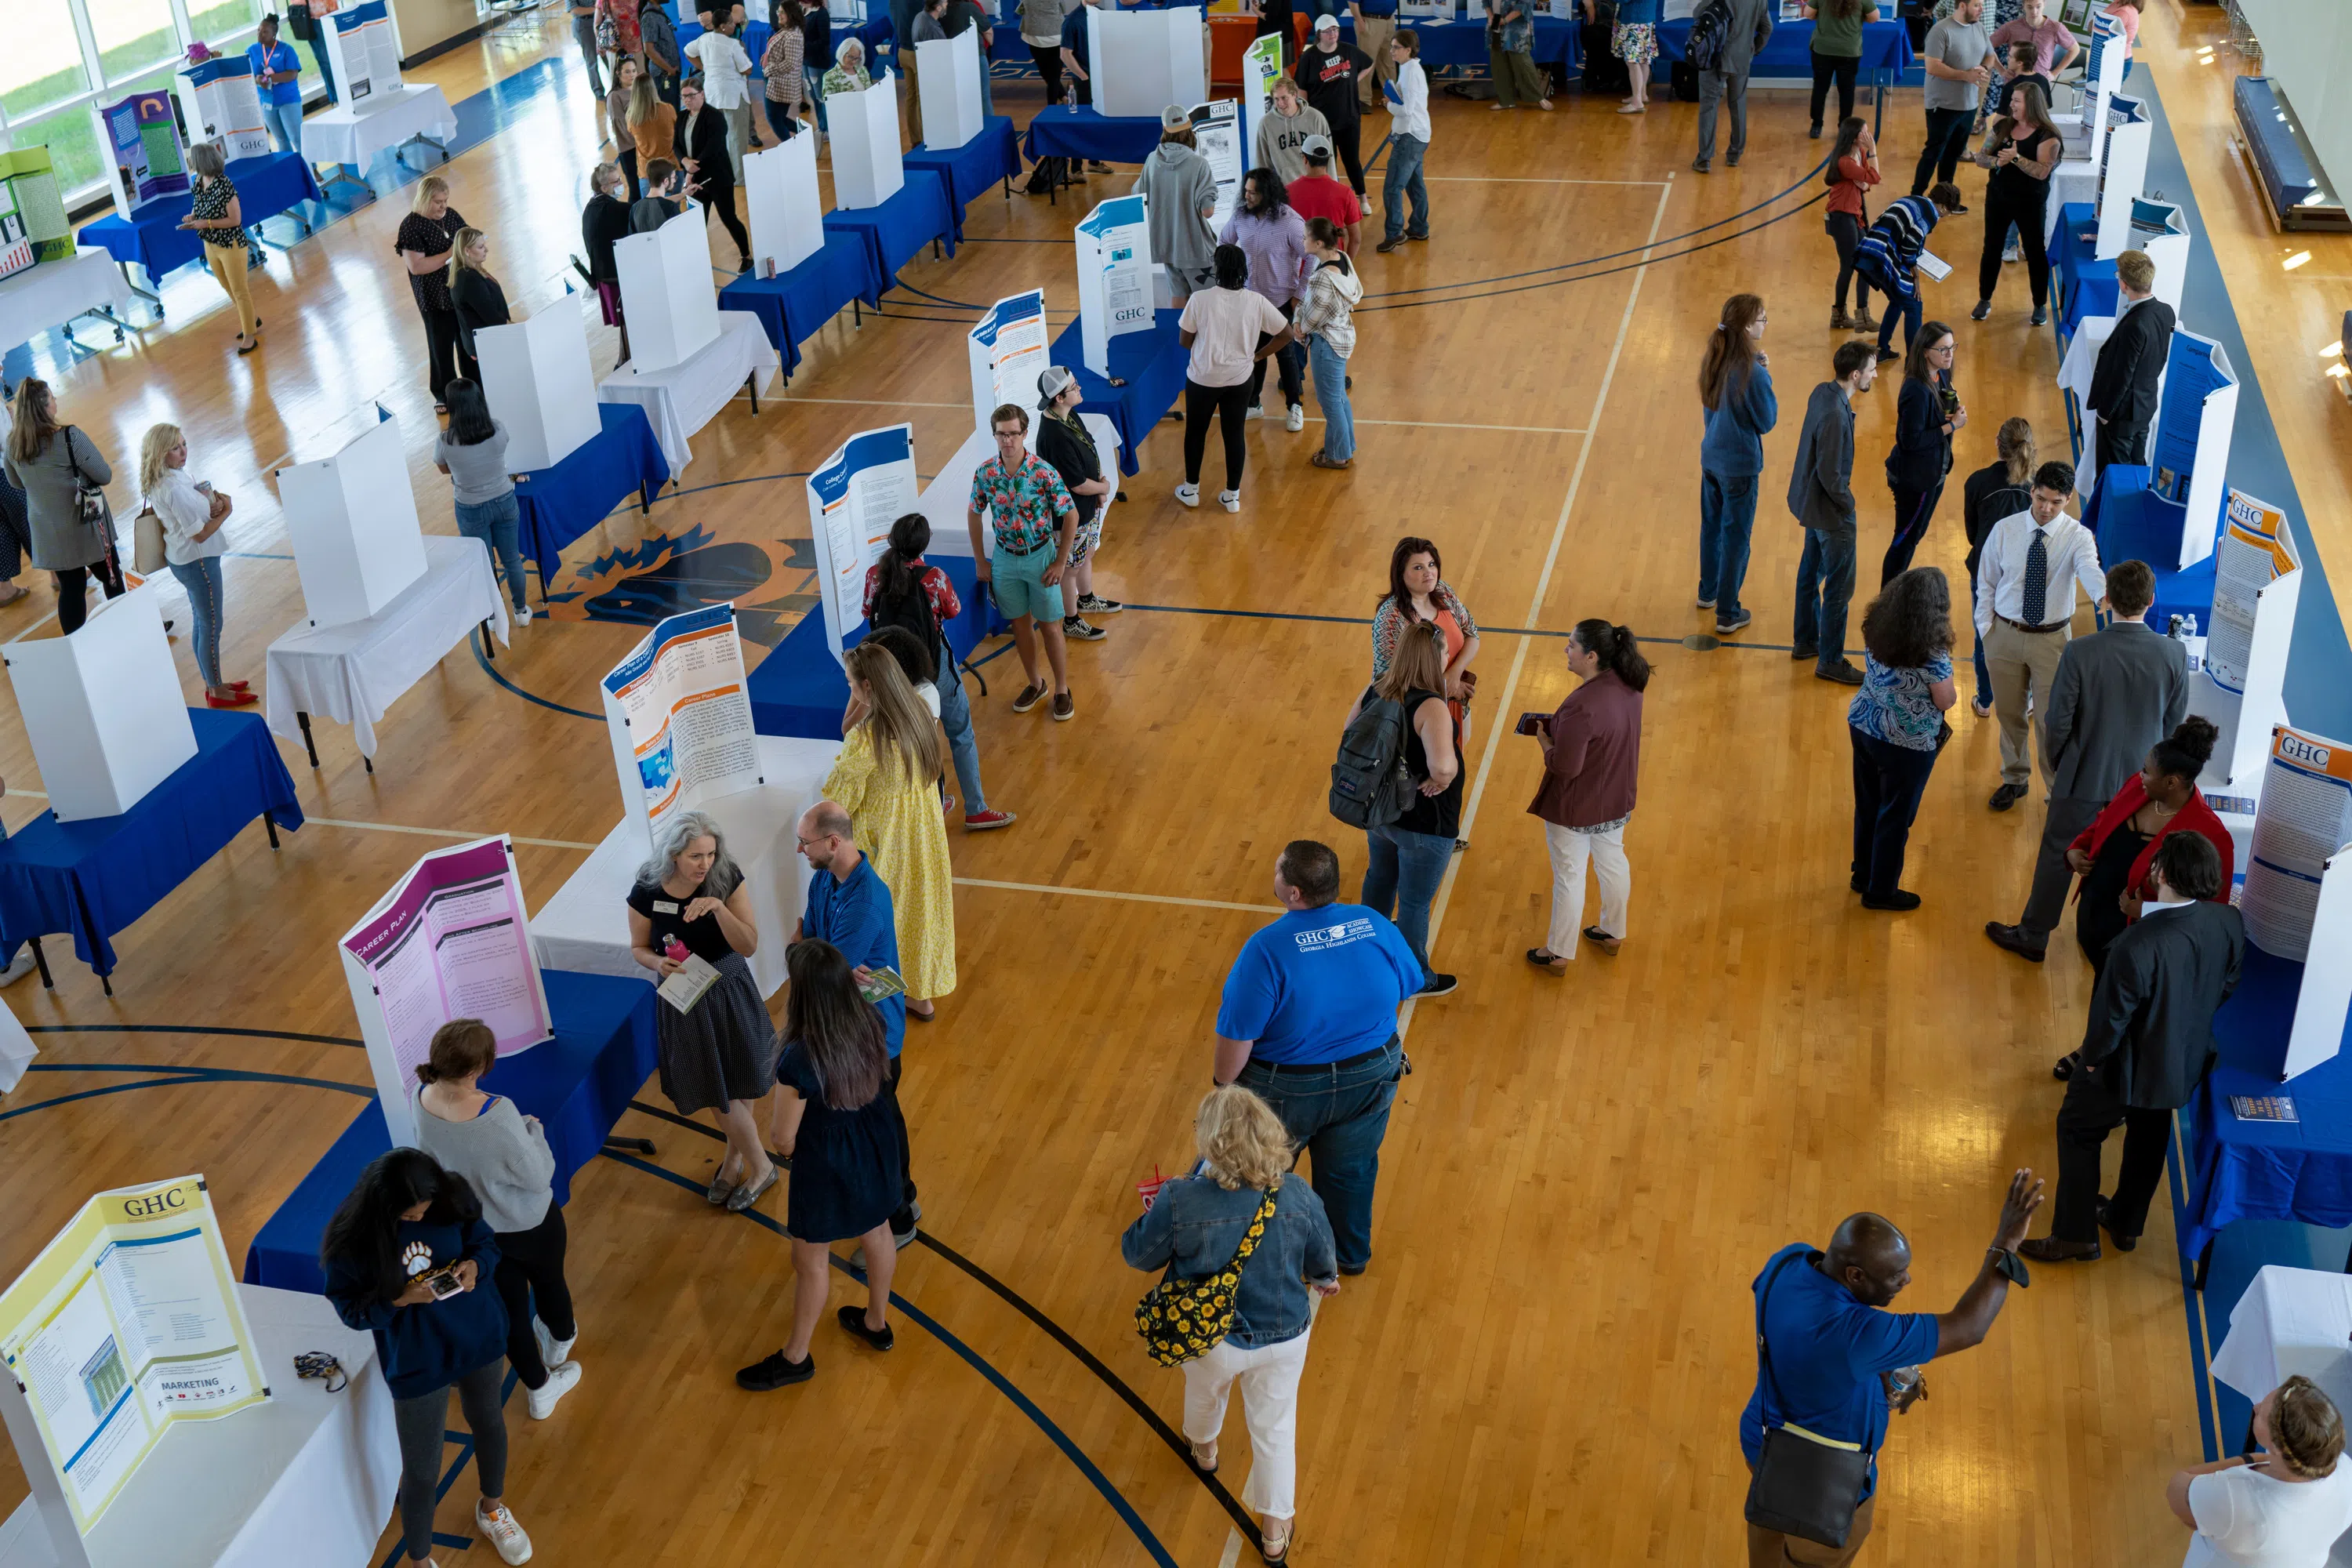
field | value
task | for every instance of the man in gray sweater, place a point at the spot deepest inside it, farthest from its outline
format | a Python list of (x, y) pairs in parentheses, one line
[(1821, 495), (1179, 192)]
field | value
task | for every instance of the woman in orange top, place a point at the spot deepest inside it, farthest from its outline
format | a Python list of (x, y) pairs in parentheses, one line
[(1418, 592), (1853, 169)]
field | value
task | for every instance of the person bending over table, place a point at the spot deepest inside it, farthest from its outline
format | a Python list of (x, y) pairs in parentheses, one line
[(191, 515)]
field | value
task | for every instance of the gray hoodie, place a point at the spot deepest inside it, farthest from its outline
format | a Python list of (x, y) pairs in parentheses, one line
[(1177, 187)]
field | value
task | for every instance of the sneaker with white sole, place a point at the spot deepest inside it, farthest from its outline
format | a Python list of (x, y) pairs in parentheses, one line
[(1230, 499), (561, 1378), (522, 614), (1076, 629), (1095, 604), (1256, 411), (1188, 495), (550, 1349), (499, 1527), (1297, 419)]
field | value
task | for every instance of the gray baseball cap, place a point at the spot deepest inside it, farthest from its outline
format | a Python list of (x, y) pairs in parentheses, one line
[(1318, 149), (1326, 23), (1174, 118), (1051, 382)]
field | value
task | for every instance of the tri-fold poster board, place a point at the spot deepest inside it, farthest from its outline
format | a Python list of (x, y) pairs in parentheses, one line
[(351, 520), (1007, 351), (667, 292), (2241, 682), (540, 384), (221, 100), (867, 161), (1261, 68), (1115, 285), (449, 941), (1142, 61), (1217, 136), (103, 708), (853, 496), (2297, 898), (364, 43), (949, 72), (141, 139), (679, 717), (786, 220)]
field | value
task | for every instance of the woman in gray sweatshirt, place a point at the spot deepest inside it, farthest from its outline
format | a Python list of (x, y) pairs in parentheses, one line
[(504, 1157)]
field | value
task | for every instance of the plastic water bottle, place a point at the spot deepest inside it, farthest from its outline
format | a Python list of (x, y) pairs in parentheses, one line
[(2189, 627)]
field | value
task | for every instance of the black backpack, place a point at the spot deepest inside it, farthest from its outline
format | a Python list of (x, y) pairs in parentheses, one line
[(912, 615), (1710, 31), (1370, 785)]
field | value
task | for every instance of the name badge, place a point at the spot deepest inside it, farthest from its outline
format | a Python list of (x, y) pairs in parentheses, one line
[(664, 907)]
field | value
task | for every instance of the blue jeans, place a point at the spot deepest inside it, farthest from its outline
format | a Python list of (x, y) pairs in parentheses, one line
[(1330, 368), (1824, 589), (1727, 520), (780, 119), (1404, 180), (202, 579), (1401, 882), (1984, 673), (955, 717), (284, 122), (1337, 1116), (1888, 780), (815, 80), (498, 524)]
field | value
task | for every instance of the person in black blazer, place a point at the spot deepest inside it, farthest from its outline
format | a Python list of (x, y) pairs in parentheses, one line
[(1927, 414), (479, 298), (702, 150), (605, 220), (2148, 1044), (2117, 692), (2124, 383)]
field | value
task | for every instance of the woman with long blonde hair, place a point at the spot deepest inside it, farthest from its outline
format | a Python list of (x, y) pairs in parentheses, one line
[(887, 778), (191, 515), (424, 245), (2001, 487), (1241, 1192), (479, 298), (653, 124)]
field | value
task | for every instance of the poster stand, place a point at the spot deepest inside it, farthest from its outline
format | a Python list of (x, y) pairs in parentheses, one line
[(2123, 177), (352, 519), (853, 496), (2297, 898), (949, 70), (1146, 60), (540, 384), (2172, 523), (222, 99), (140, 139), (102, 708), (1261, 66), (1115, 277), (2241, 682), (1217, 136), (867, 167), (364, 42), (667, 292), (786, 218), (680, 721)]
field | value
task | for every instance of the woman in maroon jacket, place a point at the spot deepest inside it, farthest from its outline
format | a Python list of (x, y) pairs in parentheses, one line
[(1592, 750)]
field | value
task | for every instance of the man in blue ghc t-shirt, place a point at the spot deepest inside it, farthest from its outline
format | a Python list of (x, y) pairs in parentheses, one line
[(1308, 1024), (1829, 1348)]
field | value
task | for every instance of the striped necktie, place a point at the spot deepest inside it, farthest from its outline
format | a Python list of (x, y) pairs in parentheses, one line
[(2037, 578)]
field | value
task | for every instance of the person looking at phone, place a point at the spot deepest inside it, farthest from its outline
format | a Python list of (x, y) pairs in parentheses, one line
[(849, 906), (1592, 755), (403, 1257)]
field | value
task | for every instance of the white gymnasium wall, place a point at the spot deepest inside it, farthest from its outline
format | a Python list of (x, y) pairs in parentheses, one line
[(2307, 50)]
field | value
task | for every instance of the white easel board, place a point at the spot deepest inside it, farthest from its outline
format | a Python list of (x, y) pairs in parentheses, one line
[(786, 218), (1217, 136), (2241, 682), (102, 708), (1115, 277), (667, 292), (365, 41), (1146, 60), (853, 496), (2124, 176), (679, 720), (1007, 351), (867, 157), (949, 72), (540, 384), (221, 100), (352, 519)]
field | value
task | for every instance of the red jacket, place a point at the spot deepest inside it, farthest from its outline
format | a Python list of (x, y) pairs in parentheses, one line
[(2195, 815)]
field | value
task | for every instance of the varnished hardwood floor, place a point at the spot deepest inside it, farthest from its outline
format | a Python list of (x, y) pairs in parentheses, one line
[(1546, 1361)]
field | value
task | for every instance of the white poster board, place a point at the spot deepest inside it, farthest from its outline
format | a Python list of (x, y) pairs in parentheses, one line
[(1114, 246), (1007, 351), (680, 719), (667, 293), (2124, 175), (867, 157), (1261, 66), (853, 498), (1145, 60), (949, 72), (221, 102), (365, 41), (102, 708), (449, 941), (2304, 821), (2197, 366), (17, 1050), (2241, 682), (127, 1324), (540, 384), (1431, 12), (352, 519), (1217, 136), (786, 218)]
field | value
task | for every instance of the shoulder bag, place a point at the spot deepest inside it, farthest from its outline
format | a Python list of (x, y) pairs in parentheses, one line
[(147, 557), (1805, 1485), (89, 500), (1184, 1320)]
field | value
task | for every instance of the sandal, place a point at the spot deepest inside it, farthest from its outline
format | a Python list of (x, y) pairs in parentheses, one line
[(1603, 940), (1543, 958), (1193, 1458), (1279, 1550)]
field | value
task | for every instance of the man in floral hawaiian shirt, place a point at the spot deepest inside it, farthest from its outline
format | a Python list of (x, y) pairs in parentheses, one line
[(1034, 521)]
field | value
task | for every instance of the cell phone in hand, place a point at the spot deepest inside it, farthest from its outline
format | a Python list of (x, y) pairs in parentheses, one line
[(444, 1283), (1531, 724)]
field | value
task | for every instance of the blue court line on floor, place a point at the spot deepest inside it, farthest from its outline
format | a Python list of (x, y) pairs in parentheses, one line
[(474, 641), (2198, 1361)]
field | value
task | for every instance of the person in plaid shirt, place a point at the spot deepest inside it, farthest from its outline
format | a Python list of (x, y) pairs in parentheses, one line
[(1033, 520)]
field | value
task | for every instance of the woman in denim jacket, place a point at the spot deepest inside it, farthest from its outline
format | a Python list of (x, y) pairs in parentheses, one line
[(1193, 1230)]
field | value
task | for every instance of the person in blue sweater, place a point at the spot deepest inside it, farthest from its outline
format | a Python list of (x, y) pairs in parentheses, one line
[(1889, 256), (405, 1257), (1735, 395)]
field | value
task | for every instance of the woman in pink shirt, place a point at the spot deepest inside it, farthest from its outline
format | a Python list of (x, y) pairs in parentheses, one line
[(2054, 48)]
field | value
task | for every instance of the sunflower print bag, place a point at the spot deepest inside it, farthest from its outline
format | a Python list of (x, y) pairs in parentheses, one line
[(1181, 1320)]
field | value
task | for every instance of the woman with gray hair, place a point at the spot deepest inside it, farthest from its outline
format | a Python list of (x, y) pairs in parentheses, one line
[(717, 1054), (219, 218), (848, 73)]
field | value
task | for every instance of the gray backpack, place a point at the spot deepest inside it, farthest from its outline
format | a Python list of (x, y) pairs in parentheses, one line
[(1370, 785)]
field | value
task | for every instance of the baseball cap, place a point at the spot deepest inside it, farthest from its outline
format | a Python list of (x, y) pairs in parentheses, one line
[(1051, 382), (1173, 118), (1317, 148), (1326, 23)]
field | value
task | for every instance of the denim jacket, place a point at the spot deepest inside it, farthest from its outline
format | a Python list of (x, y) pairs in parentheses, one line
[(1196, 1227)]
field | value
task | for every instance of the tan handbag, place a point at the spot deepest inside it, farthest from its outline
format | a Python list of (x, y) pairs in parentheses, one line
[(147, 556)]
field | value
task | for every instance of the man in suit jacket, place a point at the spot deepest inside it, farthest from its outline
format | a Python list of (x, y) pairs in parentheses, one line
[(1750, 25), (2148, 1044), (2123, 384), (1821, 495), (2117, 692)]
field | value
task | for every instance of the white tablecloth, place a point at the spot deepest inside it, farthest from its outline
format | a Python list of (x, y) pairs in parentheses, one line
[(345, 135), (351, 673), (308, 1477), (2291, 1320), (586, 925), (686, 396), (55, 292)]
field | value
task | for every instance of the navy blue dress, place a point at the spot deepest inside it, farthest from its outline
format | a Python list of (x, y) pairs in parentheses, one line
[(845, 1164)]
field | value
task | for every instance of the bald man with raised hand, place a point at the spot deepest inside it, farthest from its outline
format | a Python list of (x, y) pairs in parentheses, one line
[(1830, 1354)]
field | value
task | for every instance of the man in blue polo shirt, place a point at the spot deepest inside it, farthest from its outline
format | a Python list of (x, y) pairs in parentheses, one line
[(1308, 1024), (1832, 1354), (277, 76), (849, 906)]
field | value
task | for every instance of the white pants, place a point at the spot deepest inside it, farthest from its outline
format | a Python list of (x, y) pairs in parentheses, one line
[(1568, 849), (1269, 1380)]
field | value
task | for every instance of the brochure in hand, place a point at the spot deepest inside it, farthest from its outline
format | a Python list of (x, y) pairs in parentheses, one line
[(687, 986)]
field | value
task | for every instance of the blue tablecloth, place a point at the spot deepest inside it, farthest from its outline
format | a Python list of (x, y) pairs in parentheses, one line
[(1463, 45), (799, 689), (1067, 130), (1152, 363), (2082, 284), (577, 1084), (988, 158), (794, 306), (2268, 1169), (95, 877), (895, 232), (155, 239), (1886, 46), (560, 504)]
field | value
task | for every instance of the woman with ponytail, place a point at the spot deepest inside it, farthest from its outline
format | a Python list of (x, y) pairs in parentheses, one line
[(1736, 410), (1593, 753), (2281, 1508), (2115, 856), (2003, 487)]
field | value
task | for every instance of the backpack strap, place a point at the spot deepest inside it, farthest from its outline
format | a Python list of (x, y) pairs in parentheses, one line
[(1763, 1349)]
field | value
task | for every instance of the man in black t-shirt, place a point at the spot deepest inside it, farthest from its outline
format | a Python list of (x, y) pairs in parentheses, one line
[(1330, 72)]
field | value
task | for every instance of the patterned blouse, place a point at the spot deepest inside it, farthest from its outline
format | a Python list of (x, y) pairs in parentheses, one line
[(426, 237), (1388, 624), (211, 203), (780, 67), (1896, 706)]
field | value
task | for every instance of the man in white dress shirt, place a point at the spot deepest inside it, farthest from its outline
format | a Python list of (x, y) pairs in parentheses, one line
[(2025, 612)]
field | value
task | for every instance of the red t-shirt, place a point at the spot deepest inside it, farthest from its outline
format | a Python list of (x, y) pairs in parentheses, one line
[(1855, 176), (1326, 197)]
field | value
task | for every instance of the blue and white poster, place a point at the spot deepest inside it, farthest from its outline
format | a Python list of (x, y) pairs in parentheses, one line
[(1008, 352), (853, 496), (680, 718), (1114, 243)]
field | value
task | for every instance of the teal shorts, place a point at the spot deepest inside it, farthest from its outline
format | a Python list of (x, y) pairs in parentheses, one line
[(1019, 585)]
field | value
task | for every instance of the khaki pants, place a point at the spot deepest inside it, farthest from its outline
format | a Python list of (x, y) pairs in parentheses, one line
[(1372, 35), (2023, 662), (228, 264), (1770, 1548)]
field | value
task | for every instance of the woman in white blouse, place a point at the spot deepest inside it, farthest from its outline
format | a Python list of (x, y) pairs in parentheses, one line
[(192, 514), (2286, 1507)]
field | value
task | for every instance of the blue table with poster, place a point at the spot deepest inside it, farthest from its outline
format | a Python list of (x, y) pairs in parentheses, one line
[(800, 689), (1151, 364), (794, 306), (565, 499), (1886, 52), (95, 877), (577, 1083), (155, 239), (916, 215), (990, 158)]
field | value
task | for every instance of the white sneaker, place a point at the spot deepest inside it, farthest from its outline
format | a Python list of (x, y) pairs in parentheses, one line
[(1256, 411), (522, 614), (560, 1378), (1188, 495), (1298, 420), (19, 970), (1230, 499), (501, 1531), (550, 1349)]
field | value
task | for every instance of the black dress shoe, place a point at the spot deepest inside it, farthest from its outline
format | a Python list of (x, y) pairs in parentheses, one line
[(2007, 795), (1855, 882), (1804, 653), (1352, 1273), (853, 1320), (1897, 900), (774, 1372), (2123, 1243), (2012, 939), (2050, 1249)]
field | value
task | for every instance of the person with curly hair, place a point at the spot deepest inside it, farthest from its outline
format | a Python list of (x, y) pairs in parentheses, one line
[(1897, 725)]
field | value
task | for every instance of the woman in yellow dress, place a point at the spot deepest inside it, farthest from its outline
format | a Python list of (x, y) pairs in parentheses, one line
[(887, 778)]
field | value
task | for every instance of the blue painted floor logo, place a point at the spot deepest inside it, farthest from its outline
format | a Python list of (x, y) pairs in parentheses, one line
[(656, 578)]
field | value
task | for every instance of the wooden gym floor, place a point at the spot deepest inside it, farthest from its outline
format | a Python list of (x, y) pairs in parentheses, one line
[(1548, 1358)]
